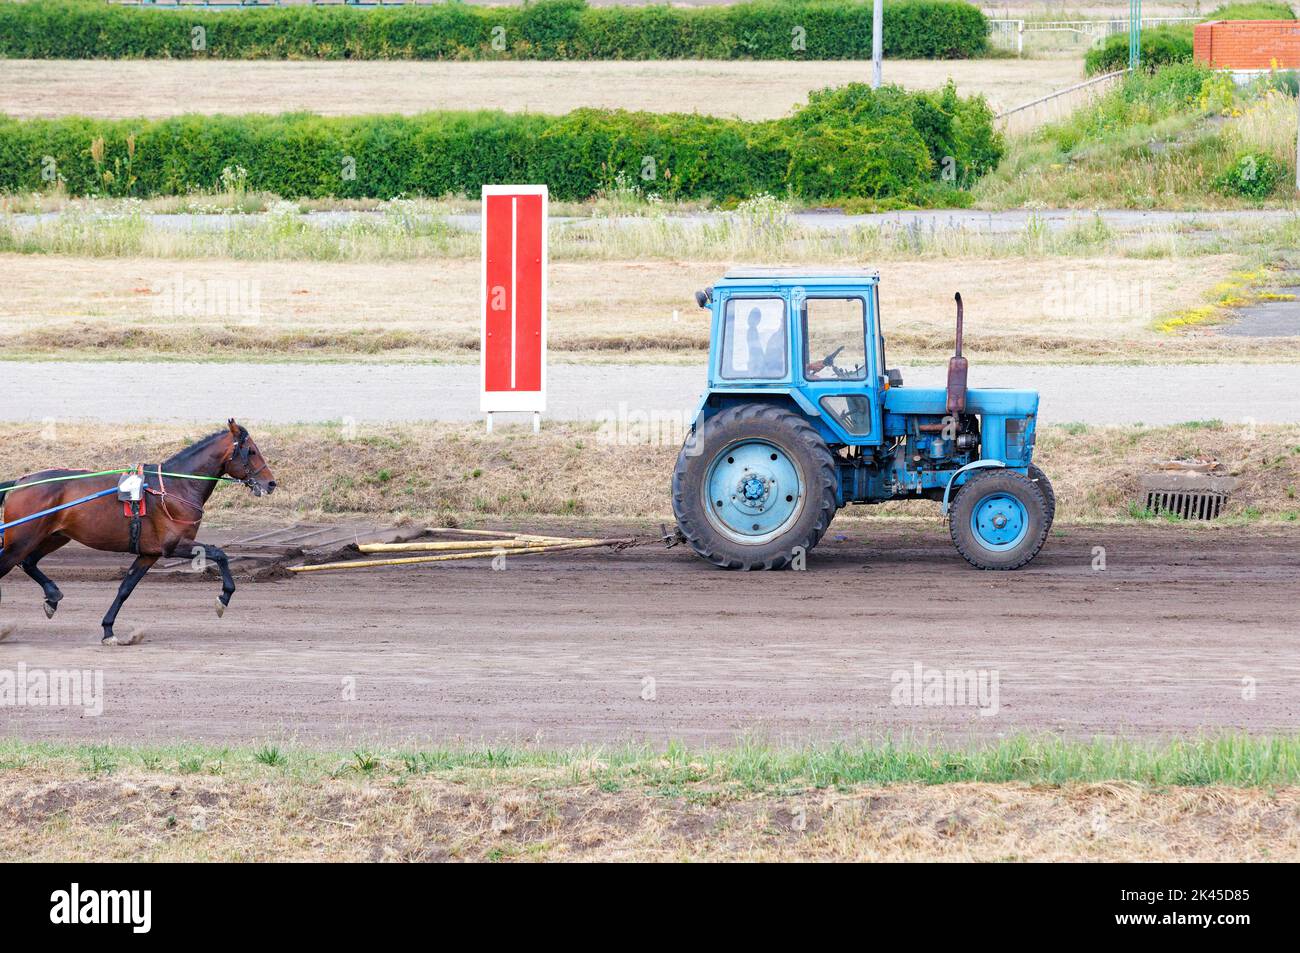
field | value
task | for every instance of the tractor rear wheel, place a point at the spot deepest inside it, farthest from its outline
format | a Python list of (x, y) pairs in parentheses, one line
[(999, 519), (754, 487)]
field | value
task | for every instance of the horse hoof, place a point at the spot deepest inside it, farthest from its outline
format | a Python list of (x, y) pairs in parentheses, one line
[(50, 609), (135, 638), (221, 609), (7, 630)]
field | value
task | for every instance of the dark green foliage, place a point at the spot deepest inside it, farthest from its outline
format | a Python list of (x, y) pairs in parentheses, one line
[(547, 30), (1253, 11), (1160, 47), (1252, 175), (848, 142)]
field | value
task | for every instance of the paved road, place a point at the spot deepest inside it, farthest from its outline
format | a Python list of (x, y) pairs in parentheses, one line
[(307, 393)]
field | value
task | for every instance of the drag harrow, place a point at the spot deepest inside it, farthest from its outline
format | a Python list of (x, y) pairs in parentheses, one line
[(454, 550)]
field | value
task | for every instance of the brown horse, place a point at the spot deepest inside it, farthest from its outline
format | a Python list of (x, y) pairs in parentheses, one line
[(172, 500)]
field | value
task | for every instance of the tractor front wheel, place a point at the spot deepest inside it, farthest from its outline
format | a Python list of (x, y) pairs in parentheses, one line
[(1039, 477), (999, 519), (754, 487)]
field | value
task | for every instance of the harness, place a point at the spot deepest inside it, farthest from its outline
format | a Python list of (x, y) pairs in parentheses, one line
[(133, 490)]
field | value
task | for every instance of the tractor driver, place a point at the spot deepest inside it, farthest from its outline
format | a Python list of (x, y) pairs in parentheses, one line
[(765, 360)]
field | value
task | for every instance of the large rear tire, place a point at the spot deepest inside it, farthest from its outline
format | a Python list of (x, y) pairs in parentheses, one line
[(754, 487), (999, 519)]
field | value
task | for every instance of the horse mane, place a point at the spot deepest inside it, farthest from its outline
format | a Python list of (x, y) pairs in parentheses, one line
[(185, 456)]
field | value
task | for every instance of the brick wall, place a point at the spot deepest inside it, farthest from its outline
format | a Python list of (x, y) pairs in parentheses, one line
[(1248, 44)]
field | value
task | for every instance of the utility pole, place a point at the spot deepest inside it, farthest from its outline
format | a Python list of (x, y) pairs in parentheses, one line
[(877, 42)]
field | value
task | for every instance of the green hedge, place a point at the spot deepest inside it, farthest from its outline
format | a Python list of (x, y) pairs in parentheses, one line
[(1253, 11), (547, 30), (1160, 47), (889, 144)]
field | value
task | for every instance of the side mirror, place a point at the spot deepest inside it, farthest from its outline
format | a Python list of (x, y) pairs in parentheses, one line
[(895, 377), (704, 298)]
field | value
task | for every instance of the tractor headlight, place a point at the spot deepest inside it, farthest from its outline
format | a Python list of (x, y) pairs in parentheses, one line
[(1015, 438)]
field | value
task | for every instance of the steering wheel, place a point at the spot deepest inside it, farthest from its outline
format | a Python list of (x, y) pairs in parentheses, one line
[(829, 359)]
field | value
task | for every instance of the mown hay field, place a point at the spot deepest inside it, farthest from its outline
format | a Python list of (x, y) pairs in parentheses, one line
[(1091, 308), (741, 89)]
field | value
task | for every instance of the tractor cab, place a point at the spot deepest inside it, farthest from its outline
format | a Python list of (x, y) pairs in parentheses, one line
[(813, 334), (803, 416)]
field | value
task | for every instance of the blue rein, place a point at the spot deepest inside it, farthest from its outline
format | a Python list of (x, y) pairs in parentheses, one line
[(52, 509)]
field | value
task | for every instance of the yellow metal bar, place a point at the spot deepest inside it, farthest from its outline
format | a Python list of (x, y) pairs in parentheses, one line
[(428, 546), (448, 557), (498, 534)]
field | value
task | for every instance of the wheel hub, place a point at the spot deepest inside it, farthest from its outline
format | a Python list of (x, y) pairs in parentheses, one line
[(999, 521), (753, 491)]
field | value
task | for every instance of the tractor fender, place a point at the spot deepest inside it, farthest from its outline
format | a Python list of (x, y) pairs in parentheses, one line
[(973, 465), (774, 394)]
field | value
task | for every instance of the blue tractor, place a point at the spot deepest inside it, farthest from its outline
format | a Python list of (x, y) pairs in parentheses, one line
[(803, 415)]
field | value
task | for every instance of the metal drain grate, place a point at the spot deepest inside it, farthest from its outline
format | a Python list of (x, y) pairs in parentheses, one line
[(1189, 496), (1188, 505)]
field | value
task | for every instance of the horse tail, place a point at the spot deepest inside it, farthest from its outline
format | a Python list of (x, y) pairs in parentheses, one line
[(6, 487)]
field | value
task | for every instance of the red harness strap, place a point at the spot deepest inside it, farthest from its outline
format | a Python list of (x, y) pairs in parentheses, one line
[(162, 495)]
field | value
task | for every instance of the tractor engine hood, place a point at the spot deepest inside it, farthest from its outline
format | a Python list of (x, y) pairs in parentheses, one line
[(979, 400)]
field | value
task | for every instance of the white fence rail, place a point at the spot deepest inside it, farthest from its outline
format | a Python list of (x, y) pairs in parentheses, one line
[(1038, 112), (1012, 32)]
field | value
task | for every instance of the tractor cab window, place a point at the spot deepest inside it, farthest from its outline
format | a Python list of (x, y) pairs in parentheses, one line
[(754, 339), (835, 342)]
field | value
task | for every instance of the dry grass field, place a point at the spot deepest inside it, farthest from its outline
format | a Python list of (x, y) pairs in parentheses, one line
[(439, 472), (745, 89), (115, 804), (1018, 310)]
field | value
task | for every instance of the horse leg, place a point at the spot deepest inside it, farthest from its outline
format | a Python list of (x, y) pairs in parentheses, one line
[(9, 558), (6, 628), (53, 596), (138, 568), (219, 557)]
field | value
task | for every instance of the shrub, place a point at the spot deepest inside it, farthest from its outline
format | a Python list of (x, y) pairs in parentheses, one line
[(881, 160), (1253, 11), (1159, 47), (849, 142), (1252, 175), (546, 29)]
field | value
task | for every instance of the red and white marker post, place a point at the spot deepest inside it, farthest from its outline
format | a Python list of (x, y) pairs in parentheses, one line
[(514, 301)]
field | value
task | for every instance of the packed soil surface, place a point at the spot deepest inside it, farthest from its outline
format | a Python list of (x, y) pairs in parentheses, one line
[(1182, 631), (746, 89)]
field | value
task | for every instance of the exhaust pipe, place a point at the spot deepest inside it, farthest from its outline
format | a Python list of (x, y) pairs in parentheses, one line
[(957, 368)]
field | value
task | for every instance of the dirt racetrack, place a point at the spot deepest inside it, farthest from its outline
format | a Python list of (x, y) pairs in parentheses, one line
[(1184, 630)]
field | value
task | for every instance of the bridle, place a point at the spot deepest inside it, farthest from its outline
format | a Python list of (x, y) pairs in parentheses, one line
[(243, 449)]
